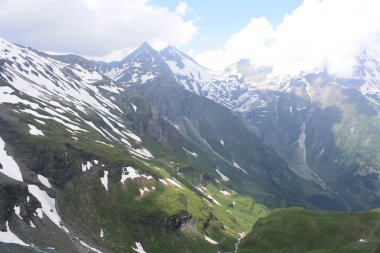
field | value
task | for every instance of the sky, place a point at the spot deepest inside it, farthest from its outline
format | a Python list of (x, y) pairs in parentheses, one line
[(289, 35), (217, 20)]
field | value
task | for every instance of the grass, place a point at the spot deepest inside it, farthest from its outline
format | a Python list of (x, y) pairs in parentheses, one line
[(127, 217), (245, 211), (296, 230)]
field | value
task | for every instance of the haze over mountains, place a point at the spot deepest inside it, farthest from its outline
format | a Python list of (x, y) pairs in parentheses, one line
[(154, 150)]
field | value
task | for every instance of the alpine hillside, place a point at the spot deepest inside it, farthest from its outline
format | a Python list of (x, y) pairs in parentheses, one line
[(156, 151)]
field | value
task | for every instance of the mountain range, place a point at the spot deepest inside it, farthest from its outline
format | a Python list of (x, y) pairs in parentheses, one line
[(154, 150)]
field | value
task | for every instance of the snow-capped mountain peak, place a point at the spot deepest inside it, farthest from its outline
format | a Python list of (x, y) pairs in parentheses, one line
[(232, 86), (183, 65), (170, 53), (142, 65), (63, 94), (144, 50)]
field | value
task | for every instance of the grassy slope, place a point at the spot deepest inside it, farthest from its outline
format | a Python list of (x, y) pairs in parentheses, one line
[(123, 215), (296, 230), (126, 216)]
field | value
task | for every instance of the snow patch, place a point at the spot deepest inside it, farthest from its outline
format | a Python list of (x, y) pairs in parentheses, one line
[(147, 177), (126, 142), (163, 181), (139, 248), (133, 136), (86, 166), (190, 153), (44, 180), (10, 237), (34, 130), (147, 77), (225, 193), (7, 97), (39, 213), (101, 142), (143, 190), (134, 107), (111, 88), (201, 189), (175, 182), (104, 180), (141, 152), (238, 167), (32, 224), (224, 178), (210, 240), (72, 125), (207, 202), (17, 211), (215, 201), (9, 166), (48, 205), (129, 172), (89, 247), (40, 121)]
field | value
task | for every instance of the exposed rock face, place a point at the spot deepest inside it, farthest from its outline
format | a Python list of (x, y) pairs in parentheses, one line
[(182, 220)]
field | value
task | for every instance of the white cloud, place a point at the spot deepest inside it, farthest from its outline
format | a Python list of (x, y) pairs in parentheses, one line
[(92, 27), (319, 34), (181, 8)]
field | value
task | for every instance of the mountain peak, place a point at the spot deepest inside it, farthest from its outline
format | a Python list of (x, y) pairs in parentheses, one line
[(172, 49), (174, 54), (143, 49), (145, 45)]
